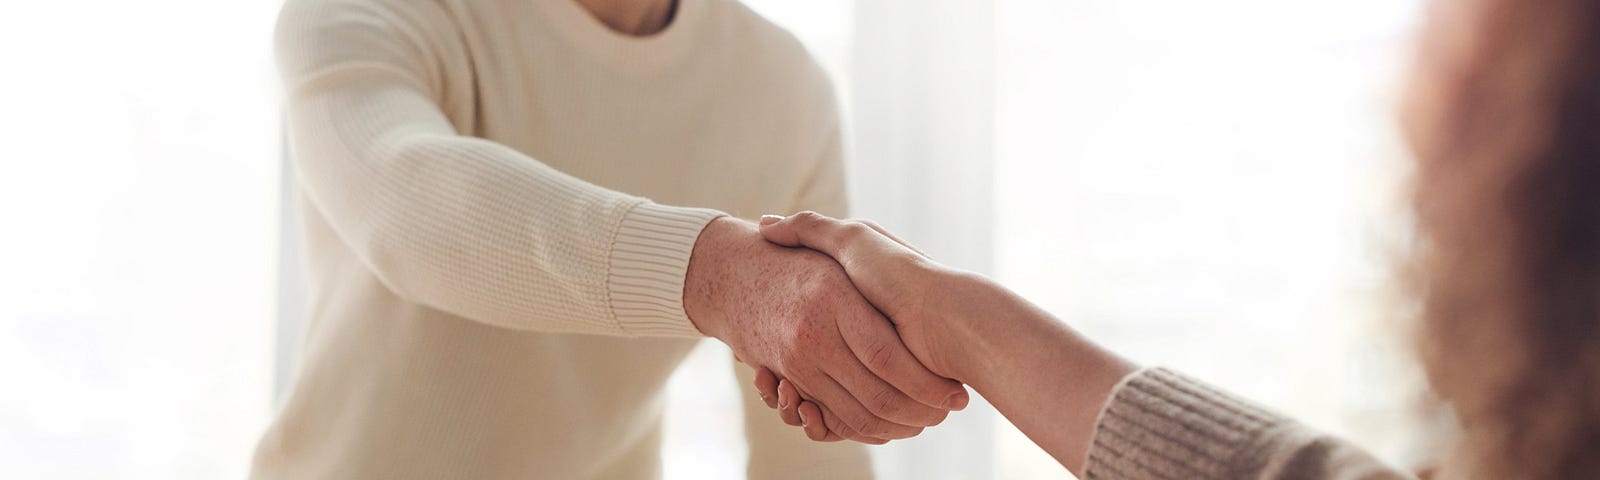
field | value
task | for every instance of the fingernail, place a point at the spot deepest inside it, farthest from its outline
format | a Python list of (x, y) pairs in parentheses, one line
[(803, 422), (957, 401), (770, 219), (781, 401)]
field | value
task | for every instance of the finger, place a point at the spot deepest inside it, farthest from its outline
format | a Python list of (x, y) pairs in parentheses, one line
[(807, 229), (885, 400), (819, 426), (855, 245), (814, 426), (811, 420), (885, 232), (826, 391), (878, 347), (788, 403), (843, 431), (817, 429), (833, 429), (767, 386)]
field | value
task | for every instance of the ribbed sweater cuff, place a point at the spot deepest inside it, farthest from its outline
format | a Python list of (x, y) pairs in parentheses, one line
[(649, 259), (1162, 425)]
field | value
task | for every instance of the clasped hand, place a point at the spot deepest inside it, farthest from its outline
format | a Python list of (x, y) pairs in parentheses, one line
[(795, 315), (900, 281)]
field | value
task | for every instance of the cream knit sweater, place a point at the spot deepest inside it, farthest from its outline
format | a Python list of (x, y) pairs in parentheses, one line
[(493, 295)]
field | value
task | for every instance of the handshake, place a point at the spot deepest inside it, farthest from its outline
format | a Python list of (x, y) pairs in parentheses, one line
[(851, 334)]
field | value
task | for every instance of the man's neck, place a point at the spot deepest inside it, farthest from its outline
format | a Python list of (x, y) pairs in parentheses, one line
[(638, 18)]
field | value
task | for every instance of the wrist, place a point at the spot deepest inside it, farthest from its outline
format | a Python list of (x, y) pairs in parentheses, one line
[(973, 321), (994, 329), (710, 269)]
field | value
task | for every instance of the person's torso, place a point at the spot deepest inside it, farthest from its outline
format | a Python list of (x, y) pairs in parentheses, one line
[(722, 110), (719, 117)]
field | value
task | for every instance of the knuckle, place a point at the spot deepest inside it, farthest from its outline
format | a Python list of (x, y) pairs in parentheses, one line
[(834, 423), (805, 330), (854, 230), (805, 333), (811, 277), (878, 356), (814, 290), (820, 301), (792, 356), (884, 403)]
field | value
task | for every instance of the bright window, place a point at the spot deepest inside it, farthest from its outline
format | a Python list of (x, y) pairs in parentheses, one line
[(1212, 186), (136, 266)]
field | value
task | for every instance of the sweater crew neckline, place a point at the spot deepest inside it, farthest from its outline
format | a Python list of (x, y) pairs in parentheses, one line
[(639, 54)]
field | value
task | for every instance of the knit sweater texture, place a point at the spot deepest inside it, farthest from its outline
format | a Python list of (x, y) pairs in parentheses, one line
[(1160, 425), (500, 198)]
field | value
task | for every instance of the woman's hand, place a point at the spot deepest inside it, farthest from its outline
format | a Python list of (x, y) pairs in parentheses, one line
[(1047, 379), (909, 288)]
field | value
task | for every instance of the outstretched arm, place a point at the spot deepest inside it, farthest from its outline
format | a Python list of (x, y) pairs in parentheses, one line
[(455, 222), (1095, 412), (1046, 378), (483, 231)]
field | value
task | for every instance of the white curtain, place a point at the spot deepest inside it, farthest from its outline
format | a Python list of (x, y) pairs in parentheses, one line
[(921, 124), (137, 218)]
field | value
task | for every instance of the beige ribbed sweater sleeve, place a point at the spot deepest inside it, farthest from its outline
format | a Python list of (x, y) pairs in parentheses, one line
[(458, 223), (1162, 425)]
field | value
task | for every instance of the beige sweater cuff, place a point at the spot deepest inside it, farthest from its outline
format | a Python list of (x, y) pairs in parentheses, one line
[(649, 258), (1159, 424)]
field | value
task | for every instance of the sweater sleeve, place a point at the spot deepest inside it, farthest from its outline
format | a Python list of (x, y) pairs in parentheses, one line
[(458, 223), (1162, 425)]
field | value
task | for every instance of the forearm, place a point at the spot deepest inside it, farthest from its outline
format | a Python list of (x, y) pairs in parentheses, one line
[(1047, 379), (479, 230), (457, 223), (1078, 401), (1053, 384)]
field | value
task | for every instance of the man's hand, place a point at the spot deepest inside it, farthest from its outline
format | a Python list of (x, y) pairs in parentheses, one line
[(1048, 379), (899, 280), (794, 311), (924, 299)]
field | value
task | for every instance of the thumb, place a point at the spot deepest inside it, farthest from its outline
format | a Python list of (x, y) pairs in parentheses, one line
[(776, 234), (805, 229)]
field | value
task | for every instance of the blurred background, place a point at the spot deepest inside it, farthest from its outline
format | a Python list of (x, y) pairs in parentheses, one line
[(1213, 186)]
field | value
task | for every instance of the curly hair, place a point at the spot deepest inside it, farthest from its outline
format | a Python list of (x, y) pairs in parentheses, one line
[(1504, 121)]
